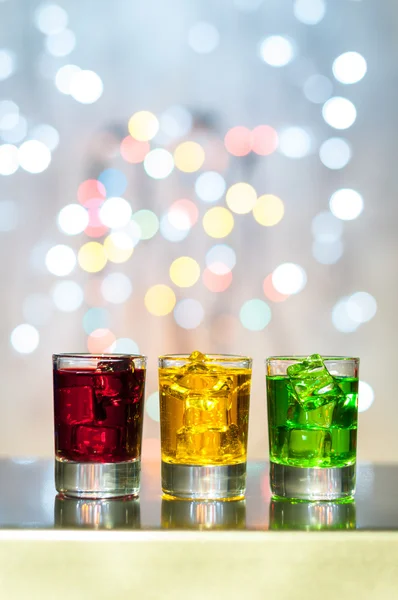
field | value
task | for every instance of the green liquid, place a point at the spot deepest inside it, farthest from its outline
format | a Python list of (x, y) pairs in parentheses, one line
[(323, 437)]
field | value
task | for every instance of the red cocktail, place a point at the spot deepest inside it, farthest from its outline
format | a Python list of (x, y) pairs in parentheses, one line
[(98, 413)]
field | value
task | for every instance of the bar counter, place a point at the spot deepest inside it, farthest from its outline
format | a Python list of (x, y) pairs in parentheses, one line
[(154, 547)]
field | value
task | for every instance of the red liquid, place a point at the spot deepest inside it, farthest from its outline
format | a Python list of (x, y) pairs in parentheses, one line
[(98, 415)]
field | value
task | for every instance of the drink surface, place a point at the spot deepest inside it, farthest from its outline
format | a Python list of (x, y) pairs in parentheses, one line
[(98, 414), (204, 413), (308, 432)]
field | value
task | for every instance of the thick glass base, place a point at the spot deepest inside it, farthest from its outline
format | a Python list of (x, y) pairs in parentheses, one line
[(199, 514), (114, 513), (210, 482), (314, 483), (97, 480)]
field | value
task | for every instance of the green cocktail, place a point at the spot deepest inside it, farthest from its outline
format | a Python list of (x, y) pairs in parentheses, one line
[(312, 421)]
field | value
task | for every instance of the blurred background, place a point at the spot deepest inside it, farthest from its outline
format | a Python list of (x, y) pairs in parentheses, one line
[(214, 176)]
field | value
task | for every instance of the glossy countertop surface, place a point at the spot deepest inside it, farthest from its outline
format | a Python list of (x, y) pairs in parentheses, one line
[(28, 500)]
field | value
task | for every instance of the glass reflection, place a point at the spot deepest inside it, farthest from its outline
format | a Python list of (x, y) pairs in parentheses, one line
[(116, 513), (197, 514), (312, 516)]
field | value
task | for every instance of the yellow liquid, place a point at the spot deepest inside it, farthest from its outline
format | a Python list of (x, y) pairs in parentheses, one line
[(204, 414)]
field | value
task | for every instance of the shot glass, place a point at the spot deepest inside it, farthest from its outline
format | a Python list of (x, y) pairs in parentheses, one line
[(82, 513), (204, 416), (312, 516), (98, 413), (203, 515), (312, 425)]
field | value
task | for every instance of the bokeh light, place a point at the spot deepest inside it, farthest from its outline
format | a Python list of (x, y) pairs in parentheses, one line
[(216, 282), (366, 396), (115, 212), (34, 156), (9, 114), (255, 315), (309, 12), (184, 271), (116, 288), (91, 189), (277, 50), (60, 260), (335, 153), (189, 313), (339, 112), (176, 121), (64, 77), (361, 307), (160, 300), (46, 134), (158, 163), (96, 318), (170, 232), (271, 293), (189, 157), (85, 86), (50, 18), (152, 407), (61, 44), (126, 346), (114, 182), (210, 186), (218, 222), (326, 228), (9, 161), (203, 37), (143, 126), (25, 338), (118, 247), (8, 215), (134, 151), (17, 133), (183, 214), (7, 63), (264, 140), (147, 222), (37, 309), (241, 198), (68, 296), (349, 67), (92, 257), (318, 88), (220, 259), (268, 210), (341, 319), (327, 253), (101, 340), (133, 230), (294, 142), (289, 278), (238, 141), (72, 219), (346, 204), (95, 227)]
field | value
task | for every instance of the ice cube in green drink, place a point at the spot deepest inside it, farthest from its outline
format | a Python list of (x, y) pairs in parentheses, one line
[(311, 384)]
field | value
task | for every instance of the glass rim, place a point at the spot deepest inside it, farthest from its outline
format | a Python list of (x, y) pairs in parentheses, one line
[(210, 358), (298, 357), (107, 356)]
